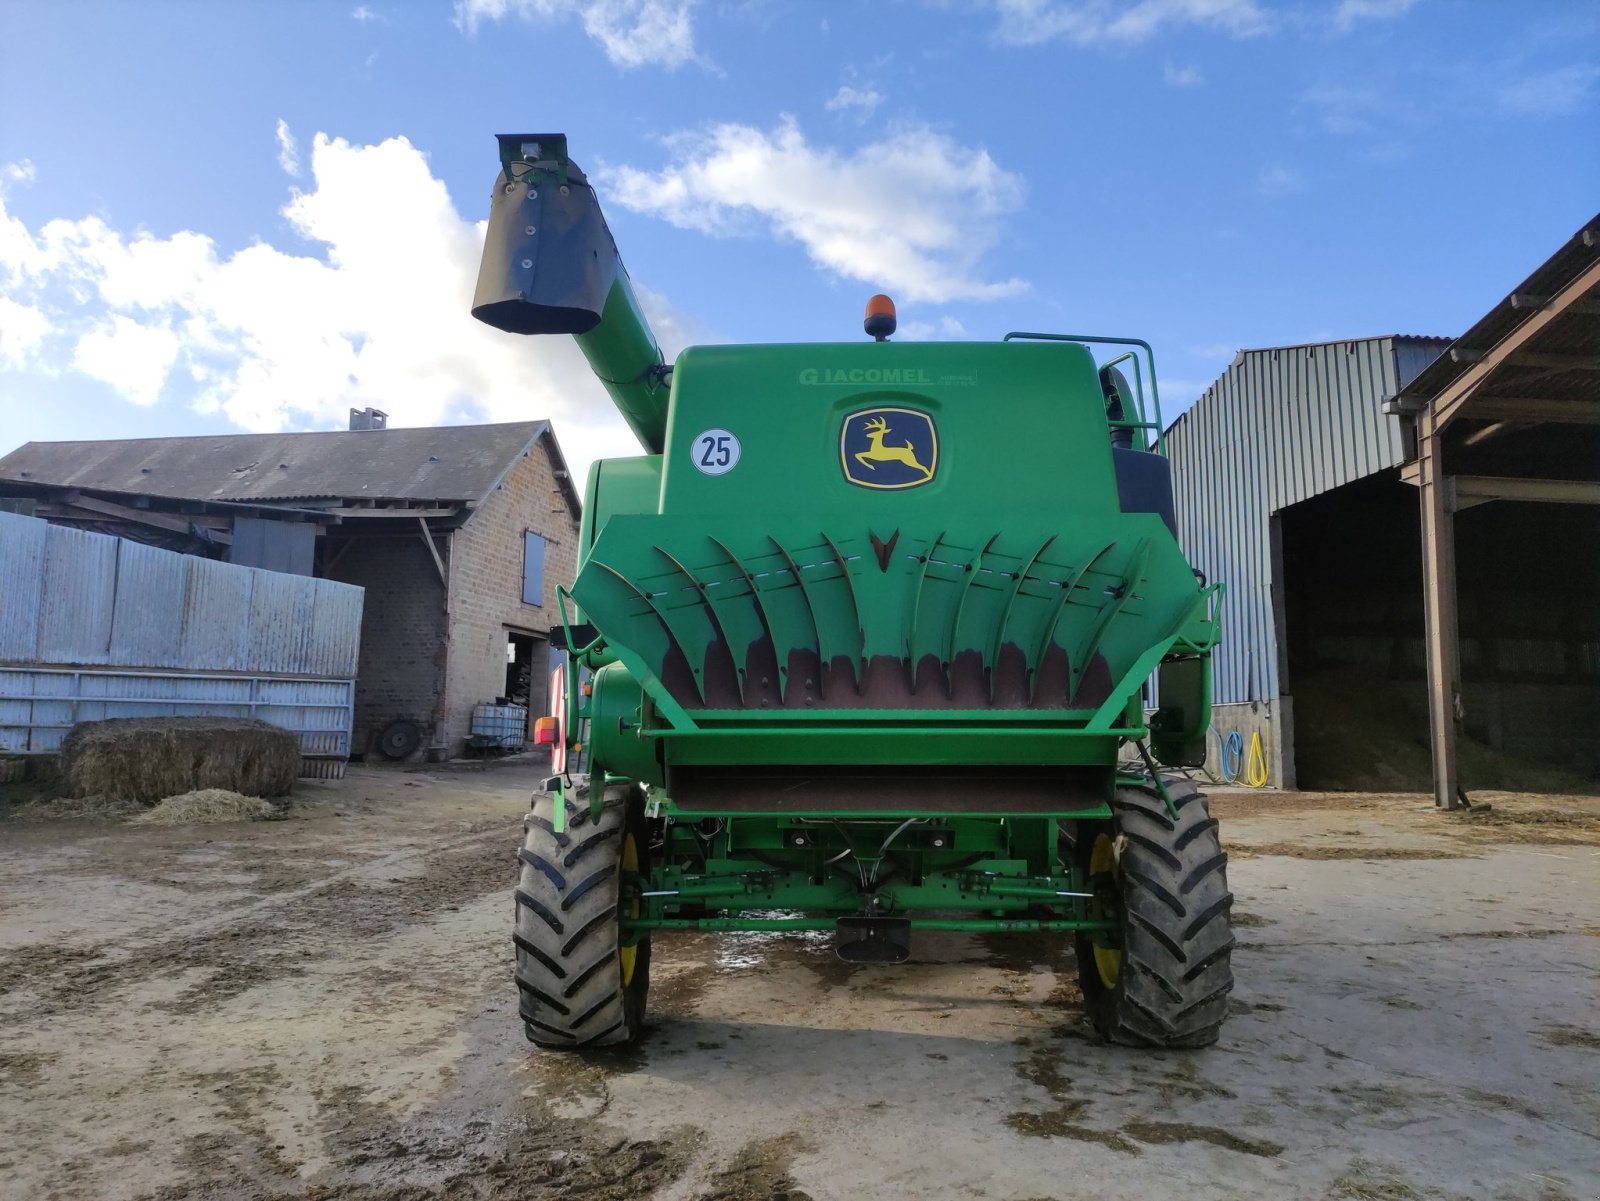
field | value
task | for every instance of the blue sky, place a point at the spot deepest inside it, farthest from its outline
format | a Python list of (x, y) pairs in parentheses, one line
[(233, 215)]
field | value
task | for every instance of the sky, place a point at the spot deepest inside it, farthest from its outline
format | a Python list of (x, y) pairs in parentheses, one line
[(228, 216)]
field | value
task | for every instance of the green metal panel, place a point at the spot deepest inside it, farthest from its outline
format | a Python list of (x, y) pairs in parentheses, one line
[(618, 486)]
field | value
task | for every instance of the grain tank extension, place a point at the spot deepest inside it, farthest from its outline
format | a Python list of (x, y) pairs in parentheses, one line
[(860, 644)]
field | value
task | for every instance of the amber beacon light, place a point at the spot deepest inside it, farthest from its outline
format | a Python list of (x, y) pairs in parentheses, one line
[(880, 320)]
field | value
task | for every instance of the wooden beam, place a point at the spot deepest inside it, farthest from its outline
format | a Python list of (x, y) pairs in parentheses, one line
[(1439, 611), (1493, 487), (330, 561), (163, 521), (1446, 405), (427, 539), (1526, 300), (1556, 362), (1533, 408)]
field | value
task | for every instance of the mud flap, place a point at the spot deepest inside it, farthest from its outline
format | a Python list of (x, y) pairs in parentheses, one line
[(865, 939)]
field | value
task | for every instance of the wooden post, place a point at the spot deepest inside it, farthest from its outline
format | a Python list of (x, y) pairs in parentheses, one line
[(1439, 610)]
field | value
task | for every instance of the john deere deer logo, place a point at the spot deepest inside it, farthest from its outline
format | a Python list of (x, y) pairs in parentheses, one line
[(889, 448)]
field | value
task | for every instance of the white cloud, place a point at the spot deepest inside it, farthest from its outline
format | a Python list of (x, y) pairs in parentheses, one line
[(633, 33), (1030, 22), (862, 101), (1552, 94), (363, 14), (1182, 77), (22, 328), (133, 358), (288, 149), (944, 329), (913, 213), (278, 340), (1279, 181), (1352, 12), (18, 172)]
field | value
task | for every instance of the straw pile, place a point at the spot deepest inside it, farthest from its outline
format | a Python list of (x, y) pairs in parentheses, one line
[(147, 759), (207, 805), (1359, 732)]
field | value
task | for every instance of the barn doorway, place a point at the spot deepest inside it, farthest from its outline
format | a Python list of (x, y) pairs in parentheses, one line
[(1355, 662), (526, 676)]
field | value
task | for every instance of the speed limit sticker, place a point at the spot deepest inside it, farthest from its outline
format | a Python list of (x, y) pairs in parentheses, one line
[(715, 452)]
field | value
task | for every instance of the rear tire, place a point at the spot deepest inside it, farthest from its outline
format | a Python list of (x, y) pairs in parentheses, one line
[(577, 985), (1164, 979)]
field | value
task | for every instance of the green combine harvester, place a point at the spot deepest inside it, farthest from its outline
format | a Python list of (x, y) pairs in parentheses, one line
[(856, 645)]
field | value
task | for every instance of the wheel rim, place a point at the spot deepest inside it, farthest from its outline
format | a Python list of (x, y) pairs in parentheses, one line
[(1103, 862), (629, 956)]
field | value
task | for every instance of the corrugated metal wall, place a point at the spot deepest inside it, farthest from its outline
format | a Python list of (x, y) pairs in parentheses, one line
[(104, 627), (1279, 426)]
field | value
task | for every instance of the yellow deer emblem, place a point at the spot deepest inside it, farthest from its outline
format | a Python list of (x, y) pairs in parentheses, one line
[(876, 429)]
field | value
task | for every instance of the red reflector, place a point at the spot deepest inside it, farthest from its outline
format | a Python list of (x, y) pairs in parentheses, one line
[(544, 731)]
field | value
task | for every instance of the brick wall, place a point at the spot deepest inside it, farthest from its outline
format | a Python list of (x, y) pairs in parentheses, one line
[(402, 634), (486, 583)]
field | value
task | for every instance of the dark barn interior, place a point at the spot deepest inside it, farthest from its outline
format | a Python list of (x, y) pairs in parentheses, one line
[(1528, 578)]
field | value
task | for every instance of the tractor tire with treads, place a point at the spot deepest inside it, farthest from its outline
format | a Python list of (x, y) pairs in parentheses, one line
[(1164, 980), (577, 984)]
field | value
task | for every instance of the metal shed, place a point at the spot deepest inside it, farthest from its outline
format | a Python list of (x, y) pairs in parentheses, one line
[(1282, 425)]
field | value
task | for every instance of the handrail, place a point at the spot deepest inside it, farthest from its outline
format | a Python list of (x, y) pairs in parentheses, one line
[(1150, 359), (1138, 391)]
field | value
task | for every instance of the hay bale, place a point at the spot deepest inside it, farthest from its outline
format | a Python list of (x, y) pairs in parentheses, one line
[(148, 758), (207, 805)]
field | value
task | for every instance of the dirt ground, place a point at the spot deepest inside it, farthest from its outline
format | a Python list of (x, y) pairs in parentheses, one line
[(321, 1008)]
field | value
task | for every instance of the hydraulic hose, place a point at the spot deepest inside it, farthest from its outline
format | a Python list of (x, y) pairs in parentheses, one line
[(1229, 761), (1234, 766), (1255, 772)]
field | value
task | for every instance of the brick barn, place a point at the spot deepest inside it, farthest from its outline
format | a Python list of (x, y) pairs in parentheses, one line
[(458, 534)]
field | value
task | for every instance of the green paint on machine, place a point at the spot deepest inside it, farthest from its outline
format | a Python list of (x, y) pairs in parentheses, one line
[(865, 629)]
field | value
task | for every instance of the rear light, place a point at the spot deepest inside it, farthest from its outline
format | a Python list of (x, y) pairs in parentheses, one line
[(556, 736)]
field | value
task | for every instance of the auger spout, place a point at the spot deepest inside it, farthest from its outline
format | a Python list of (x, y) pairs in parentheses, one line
[(550, 266)]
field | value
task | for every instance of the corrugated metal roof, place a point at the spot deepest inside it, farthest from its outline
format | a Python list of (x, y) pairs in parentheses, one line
[(1576, 333), (451, 463), (1279, 426)]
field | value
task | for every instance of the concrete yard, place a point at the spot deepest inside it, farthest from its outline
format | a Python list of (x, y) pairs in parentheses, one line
[(322, 1008)]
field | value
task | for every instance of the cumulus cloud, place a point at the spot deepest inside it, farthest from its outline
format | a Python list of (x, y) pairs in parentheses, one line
[(633, 33), (133, 358), (22, 328), (915, 212), (945, 329), (277, 340), (1030, 22), (288, 149), (1182, 77), (863, 102)]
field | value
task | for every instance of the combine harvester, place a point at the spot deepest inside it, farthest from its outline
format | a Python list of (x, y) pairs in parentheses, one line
[(854, 646)]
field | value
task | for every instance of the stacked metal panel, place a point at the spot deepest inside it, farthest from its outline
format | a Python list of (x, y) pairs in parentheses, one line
[(94, 627)]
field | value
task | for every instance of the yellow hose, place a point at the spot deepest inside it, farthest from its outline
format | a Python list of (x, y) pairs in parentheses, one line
[(1255, 772)]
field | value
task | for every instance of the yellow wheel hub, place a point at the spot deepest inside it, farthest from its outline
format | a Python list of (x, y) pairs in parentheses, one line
[(1103, 862), (628, 956)]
